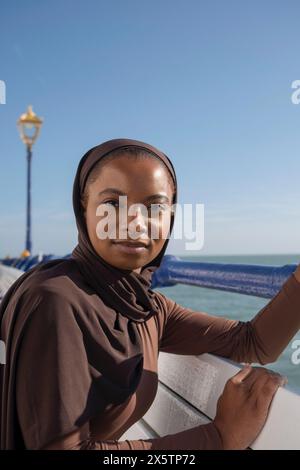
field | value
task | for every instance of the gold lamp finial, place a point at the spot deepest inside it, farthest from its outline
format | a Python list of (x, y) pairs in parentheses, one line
[(25, 254), (29, 125)]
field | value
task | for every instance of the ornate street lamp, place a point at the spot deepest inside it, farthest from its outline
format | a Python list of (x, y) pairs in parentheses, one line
[(29, 125)]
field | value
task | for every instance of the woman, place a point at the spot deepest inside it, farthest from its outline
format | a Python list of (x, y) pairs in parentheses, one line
[(83, 334)]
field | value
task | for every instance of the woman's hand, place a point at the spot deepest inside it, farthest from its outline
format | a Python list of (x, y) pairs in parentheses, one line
[(243, 407)]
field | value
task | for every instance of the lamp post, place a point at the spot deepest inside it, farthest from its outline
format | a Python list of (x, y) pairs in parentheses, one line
[(29, 125)]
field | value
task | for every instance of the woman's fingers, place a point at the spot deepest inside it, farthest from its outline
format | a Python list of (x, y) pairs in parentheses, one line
[(242, 374), (255, 377), (262, 382), (267, 385), (264, 395)]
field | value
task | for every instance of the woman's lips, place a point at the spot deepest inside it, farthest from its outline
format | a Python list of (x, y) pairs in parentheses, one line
[(131, 248)]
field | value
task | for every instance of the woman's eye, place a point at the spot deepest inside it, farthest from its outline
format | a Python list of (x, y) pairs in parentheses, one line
[(111, 202), (156, 208)]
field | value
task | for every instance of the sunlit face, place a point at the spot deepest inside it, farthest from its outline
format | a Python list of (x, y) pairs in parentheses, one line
[(144, 182)]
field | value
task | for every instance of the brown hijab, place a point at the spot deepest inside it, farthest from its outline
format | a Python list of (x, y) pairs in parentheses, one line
[(72, 325)]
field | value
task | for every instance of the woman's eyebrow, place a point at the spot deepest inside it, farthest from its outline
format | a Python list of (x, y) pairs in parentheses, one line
[(121, 193), (158, 196), (112, 190)]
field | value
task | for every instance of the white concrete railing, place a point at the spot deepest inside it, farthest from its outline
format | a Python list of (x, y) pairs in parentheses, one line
[(189, 387)]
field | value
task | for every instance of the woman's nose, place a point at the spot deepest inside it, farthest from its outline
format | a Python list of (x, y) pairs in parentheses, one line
[(138, 222)]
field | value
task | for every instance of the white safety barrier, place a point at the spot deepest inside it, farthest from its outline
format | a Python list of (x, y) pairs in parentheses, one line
[(8, 276)]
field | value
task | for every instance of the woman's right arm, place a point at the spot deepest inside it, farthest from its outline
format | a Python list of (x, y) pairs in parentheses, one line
[(241, 414)]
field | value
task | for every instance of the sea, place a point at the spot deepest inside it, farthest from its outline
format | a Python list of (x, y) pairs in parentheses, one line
[(239, 306)]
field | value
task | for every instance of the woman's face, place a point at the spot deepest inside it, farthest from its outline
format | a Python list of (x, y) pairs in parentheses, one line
[(144, 182)]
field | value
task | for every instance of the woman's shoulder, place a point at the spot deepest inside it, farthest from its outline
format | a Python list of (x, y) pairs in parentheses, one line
[(54, 280), (50, 290), (170, 308), (165, 302)]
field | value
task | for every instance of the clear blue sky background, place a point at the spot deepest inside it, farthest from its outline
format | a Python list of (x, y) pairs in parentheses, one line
[(208, 82)]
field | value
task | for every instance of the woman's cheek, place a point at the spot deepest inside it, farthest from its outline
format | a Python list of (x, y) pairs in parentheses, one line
[(106, 226), (159, 226), (154, 228)]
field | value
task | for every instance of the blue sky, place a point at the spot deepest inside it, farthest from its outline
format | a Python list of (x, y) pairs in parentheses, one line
[(208, 82)]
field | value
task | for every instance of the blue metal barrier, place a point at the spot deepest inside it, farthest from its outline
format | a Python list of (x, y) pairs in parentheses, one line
[(8, 261), (255, 280), (29, 262)]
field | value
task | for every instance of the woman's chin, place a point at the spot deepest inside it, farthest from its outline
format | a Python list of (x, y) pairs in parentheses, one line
[(128, 265)]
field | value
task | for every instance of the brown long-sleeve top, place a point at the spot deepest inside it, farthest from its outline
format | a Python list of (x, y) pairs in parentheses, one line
[(176, 330)]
